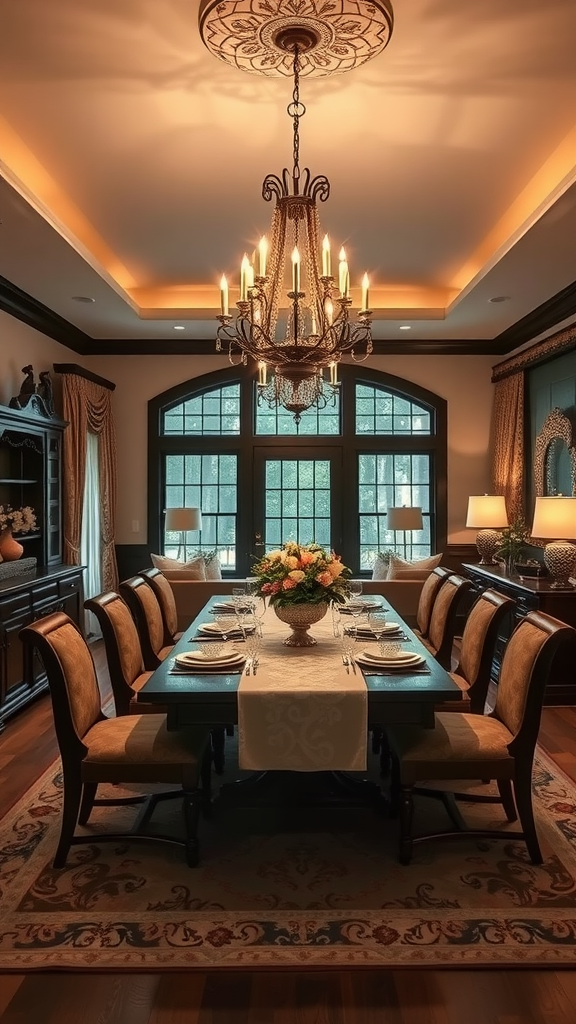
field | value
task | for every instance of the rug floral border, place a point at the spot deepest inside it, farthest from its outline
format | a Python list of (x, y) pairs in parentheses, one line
[(297, 939)]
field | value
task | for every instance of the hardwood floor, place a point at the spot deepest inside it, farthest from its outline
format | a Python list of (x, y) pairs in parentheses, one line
[(411, 996)]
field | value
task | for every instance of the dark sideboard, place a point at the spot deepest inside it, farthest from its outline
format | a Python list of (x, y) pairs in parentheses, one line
[(23, 599), (533, 595)]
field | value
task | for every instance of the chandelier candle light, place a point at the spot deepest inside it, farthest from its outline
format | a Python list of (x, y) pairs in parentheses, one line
[(316, 330)]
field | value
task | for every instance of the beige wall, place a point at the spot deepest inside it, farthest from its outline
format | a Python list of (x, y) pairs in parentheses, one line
[(21, 345), (464, 381)]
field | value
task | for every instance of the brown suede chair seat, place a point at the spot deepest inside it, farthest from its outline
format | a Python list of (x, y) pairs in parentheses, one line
[(129, 749), (499, 745)]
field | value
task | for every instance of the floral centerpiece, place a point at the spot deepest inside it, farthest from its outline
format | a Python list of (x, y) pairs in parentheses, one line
[(301, 574), (18, 520)]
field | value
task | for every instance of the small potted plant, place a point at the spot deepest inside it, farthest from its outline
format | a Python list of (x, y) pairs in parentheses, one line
[(512, 541)]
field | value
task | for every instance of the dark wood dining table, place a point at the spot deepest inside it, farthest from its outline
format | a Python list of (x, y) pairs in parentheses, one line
[(408, 697)]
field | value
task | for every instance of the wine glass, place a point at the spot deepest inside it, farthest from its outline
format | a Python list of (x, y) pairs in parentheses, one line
[(355, 588)]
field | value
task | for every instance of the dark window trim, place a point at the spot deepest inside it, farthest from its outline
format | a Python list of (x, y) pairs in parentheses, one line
[(435, 445)]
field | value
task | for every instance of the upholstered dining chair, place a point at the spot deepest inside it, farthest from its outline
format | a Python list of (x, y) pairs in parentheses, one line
[(127, 749), (165, 595), (428, 595), (123, 652), (126, 665), (499, 745), (442, 630), (156, 642), (474, 668)]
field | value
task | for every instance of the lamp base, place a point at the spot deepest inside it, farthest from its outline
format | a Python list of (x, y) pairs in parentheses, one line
[(560, 560), (487, 544)]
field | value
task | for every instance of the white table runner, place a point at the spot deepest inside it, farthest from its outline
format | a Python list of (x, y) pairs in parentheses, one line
[(302, 711)]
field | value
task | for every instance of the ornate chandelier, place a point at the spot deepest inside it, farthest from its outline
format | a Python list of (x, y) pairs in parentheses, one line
[(294, 316)]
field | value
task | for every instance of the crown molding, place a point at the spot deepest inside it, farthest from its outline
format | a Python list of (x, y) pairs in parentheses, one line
[(24, 307)]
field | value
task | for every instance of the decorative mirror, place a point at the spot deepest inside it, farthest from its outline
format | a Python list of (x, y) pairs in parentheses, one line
[(555, 457)]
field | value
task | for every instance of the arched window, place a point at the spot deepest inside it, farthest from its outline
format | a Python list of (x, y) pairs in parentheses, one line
[(261, 479)]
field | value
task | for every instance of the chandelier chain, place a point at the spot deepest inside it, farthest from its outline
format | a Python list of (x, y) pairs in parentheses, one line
[(296, 110)]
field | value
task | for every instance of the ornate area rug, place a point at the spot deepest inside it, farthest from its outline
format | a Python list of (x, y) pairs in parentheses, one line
[(306, 890)]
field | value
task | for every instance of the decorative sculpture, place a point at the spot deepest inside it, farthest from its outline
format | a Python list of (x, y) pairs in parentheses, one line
[(36, 398)]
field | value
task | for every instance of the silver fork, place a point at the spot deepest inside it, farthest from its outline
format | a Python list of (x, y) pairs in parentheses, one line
[(248, 667)]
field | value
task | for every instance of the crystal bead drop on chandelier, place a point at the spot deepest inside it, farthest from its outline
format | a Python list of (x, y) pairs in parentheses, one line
[(297, 349)]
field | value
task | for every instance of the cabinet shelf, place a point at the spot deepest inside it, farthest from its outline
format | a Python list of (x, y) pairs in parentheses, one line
[(16, 480)]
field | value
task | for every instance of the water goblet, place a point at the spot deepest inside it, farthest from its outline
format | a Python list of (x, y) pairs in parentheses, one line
[(215, 649), (253, 646), (377, 622), (355, 588), (389, 648)]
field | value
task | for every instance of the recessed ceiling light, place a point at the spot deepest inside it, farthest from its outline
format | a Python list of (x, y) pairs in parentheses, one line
[(405, 327), (500, 298), (82, 298), (179, 327)]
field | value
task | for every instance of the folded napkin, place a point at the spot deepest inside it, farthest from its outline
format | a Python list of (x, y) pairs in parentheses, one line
[(300, 725), (200, 662)]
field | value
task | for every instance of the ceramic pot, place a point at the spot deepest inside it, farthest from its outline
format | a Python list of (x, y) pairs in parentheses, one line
[(300, 617), (10, 548)]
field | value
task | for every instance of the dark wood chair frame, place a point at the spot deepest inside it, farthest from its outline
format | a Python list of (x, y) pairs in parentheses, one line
[(129, 591), (79, 794), (515, 792)]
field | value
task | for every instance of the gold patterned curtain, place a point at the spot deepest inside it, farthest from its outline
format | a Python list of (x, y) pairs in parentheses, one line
[(508, 443), (88, 406)]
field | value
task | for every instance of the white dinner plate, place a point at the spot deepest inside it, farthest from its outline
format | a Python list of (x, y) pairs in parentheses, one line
[(389, 629), (196, 658), (364, 605), (403, 659)]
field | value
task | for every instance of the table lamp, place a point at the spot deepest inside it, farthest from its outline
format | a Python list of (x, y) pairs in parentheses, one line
[(556, 517), (404, 517), (182, 520), (487, 512)]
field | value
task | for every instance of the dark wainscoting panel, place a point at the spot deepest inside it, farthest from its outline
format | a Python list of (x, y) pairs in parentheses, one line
[(131, 559), (456, 555)]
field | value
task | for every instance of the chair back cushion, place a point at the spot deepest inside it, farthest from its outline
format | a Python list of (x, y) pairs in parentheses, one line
[(127, 640), (474, 638), (428, 595), (440, 612), (520, 657), (79, 676), (153, 616), (165, 596)]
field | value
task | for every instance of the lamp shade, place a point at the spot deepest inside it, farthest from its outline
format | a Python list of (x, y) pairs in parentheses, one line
[(183, 519), (404, 517), (487, 511), (555, 518)]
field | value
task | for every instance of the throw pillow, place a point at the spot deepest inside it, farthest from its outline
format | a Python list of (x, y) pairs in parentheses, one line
[(399, 568), (195, 567), (380, 569), (212, 567)]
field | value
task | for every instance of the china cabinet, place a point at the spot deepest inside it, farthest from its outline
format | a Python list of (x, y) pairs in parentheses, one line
[(30, 474)]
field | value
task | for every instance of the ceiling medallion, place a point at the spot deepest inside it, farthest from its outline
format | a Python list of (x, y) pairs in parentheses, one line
[(294, 316), (259, 37)]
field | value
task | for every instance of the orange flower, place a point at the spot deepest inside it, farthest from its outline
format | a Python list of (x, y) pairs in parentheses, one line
[(289, 583), (306, 557), (324, 578)]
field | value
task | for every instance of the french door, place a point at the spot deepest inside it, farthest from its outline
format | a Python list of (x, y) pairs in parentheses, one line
[(297, 496)]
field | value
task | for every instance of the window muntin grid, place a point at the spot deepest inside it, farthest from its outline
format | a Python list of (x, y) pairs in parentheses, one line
[(210, 412), (314, 422), (391, 479), (297, 502), (382, 412), (208, 481)]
